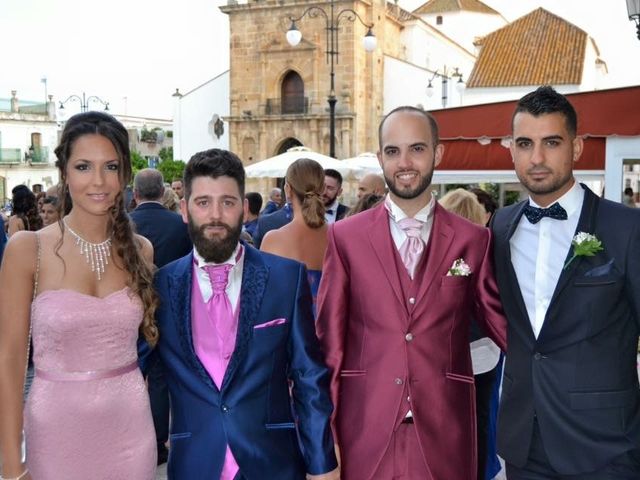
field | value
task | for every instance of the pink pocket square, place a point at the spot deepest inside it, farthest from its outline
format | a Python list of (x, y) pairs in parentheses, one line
[(271, 323)]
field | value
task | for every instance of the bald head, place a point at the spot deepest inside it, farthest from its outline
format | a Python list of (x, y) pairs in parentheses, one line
[(371, 183), (148, 185), (53, 191)]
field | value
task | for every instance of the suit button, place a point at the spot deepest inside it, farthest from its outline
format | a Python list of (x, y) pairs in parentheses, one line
[(537, 356), (412, 300), (398, 381), (408, 337), (224, 408)]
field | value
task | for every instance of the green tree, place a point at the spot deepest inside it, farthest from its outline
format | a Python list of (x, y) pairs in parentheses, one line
[(166, 153), (171, 169), (138, 162)]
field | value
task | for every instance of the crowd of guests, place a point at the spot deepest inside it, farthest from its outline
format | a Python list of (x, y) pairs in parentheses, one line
[(185, 323)]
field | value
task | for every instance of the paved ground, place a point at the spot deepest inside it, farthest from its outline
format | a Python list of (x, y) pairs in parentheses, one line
[(162, 472)]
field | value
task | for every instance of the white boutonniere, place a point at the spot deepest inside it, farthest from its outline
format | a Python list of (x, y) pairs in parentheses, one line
[(584, 245), (459, 269)]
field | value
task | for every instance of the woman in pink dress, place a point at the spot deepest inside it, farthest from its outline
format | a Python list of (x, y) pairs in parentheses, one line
[(83, 288)]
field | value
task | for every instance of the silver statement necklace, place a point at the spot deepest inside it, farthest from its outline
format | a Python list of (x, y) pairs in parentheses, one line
[(97, 254)]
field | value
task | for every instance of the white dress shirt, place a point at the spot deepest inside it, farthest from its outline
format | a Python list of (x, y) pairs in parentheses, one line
[(538, 254), (396, 214), (235, 276), (331, 217)]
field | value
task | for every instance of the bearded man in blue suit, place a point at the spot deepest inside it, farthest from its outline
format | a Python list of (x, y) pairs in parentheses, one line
[(236, 331)]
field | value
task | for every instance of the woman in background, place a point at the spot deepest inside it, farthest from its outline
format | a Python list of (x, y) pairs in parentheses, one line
[(24, 212), (49, 211), (83, 287), (305, 238), (170, 200)]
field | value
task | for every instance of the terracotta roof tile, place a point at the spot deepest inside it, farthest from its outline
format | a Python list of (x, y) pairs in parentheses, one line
[(539, 48), (442, 6)]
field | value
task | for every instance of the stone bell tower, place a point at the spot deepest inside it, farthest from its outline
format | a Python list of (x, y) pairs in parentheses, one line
[(279, 93)]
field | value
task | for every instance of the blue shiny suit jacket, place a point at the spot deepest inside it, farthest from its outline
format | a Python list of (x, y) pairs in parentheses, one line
[(271, 434)]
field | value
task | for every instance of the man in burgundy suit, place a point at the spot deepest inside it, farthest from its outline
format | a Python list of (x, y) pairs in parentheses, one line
[(400, 285)]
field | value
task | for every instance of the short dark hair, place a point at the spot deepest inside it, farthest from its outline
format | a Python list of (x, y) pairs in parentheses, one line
[(628, 191), (149, 184), (254, 199), (408, 108), (330, 172), (545, 100), (52, 200), (213, 163)]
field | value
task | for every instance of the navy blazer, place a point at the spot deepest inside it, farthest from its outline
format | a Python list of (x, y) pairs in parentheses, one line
[(3, 242), (252, 412), (165, 229), (272, 221), (341, 211), (579, 376)]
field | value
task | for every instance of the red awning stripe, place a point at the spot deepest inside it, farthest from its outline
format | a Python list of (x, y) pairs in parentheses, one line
[(471, 155), (601, 113)]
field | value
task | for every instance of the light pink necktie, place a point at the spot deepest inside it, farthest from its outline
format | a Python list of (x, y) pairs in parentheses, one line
[(221, 313), (412, 248)]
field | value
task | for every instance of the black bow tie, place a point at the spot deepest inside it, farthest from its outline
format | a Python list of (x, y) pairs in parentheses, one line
[(330, 211), (535, 214)]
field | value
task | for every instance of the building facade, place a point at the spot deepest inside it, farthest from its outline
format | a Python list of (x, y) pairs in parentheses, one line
[(28, 137)]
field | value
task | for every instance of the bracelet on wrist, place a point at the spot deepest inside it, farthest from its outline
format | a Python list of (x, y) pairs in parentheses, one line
[(26, 470)]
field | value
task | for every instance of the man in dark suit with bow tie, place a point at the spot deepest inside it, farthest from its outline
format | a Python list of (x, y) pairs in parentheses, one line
[(570, 405)]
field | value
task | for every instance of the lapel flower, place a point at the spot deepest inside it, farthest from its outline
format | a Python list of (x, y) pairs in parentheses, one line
[(459, 269), (584, 245)]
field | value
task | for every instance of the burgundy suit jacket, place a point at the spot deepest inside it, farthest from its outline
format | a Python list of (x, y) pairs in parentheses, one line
[(363, 325)]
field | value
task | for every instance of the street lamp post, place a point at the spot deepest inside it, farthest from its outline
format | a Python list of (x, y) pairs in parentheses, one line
[(332, 20), (84, 101), (445, 76), (633, 7)]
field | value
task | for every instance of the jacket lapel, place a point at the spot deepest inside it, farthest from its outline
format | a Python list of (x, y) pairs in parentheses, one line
[(383, 247), (587, 224), (440, 239), (254, 281), (180, 284), (515, 294)]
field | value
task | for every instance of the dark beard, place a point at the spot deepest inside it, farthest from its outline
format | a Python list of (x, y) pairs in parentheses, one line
[(328, 203), (409, 194), (215, 250)]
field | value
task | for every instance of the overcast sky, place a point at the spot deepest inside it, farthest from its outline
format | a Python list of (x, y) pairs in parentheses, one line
[(135, 53)]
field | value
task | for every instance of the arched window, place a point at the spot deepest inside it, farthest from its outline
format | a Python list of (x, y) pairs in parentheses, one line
[(292, 93), (287, 144)]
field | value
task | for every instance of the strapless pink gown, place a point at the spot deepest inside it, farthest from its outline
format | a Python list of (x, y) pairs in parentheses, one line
[(87, 415)]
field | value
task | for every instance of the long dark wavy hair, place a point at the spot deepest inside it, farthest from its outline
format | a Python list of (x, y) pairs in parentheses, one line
[(127, 247), (25, 207)]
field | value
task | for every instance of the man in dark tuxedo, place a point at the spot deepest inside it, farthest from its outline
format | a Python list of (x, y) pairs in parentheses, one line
[(570, 405), (170, 239), (334, 210)]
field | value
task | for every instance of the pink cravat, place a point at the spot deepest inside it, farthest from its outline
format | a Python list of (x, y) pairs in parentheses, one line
[(412, 248), (221, 314)]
